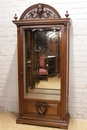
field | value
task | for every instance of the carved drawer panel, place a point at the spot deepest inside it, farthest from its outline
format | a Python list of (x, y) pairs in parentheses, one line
[(42, 108)]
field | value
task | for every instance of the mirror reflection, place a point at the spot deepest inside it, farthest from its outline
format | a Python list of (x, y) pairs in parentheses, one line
[(43, 62)]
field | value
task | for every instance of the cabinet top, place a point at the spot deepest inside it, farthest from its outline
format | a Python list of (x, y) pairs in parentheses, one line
[(41, 14)]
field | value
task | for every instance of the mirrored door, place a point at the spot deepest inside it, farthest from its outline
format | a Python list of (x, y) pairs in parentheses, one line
[(42, 59)]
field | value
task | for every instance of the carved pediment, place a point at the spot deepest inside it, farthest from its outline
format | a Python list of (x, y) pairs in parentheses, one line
[(40, 11)]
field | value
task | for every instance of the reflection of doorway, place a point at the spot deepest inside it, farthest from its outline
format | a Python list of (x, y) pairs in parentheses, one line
[(54, 46), (52, 65)]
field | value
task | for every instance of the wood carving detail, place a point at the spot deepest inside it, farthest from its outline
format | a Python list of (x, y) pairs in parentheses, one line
[(41, 108), (40, 12)]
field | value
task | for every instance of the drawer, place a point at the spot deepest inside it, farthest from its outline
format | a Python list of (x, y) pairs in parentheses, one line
[(42, 108)]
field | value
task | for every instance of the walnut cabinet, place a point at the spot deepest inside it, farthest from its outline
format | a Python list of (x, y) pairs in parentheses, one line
[(43, 66)]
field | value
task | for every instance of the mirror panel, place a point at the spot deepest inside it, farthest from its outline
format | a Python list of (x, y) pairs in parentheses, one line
[(42, 59)]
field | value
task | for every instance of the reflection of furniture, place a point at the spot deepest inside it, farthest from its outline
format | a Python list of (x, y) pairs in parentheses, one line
[(43, 68), (48, 108)]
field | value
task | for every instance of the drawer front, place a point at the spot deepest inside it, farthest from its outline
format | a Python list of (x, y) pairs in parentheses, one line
[(42, 108)]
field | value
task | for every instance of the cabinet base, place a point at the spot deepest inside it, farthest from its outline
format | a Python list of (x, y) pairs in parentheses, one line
[(59, 124)]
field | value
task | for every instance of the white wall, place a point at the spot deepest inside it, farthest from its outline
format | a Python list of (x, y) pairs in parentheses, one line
[(78, 53)]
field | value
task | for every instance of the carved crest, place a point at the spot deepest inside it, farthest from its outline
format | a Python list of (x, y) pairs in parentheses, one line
[(41, 108), (39, 11)]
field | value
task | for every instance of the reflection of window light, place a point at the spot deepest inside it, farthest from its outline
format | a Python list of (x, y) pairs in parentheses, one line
[(33, 29), (48, 33), (58, 29), (52, 34), (54, 30), (60, 33), (55, 36), (40, 29)]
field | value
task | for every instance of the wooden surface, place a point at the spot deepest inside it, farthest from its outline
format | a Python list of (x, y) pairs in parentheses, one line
[(57, 101), (42, 96)]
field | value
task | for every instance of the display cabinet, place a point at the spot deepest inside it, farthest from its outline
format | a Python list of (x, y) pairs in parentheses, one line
[(43, 66)]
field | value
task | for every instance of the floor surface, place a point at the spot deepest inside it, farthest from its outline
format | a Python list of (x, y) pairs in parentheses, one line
[(8, 122)]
